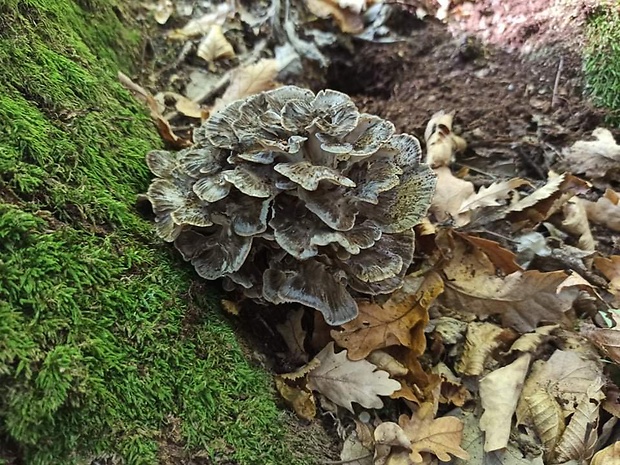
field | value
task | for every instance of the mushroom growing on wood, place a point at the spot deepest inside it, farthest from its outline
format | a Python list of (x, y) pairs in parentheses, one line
[(295, 197)]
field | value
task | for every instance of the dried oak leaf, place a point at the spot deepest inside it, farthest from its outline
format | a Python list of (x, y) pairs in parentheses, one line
[(610, 267), (439, 436), (490, 196), (608, 456), (441, 142), (481, 340), (499, 394), (399, 321), (449, 192), (294, 335), (596, 159), (522, 299), (503, 259), (607, 340), (576, 223), (605, 211), (344, 381), (294, 390)]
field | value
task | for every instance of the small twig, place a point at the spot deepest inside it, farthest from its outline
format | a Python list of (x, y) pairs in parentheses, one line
[(338, 462), (557, 82)]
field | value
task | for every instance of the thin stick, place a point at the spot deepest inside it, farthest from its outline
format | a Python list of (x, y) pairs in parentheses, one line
[(338, 462), (557, 82)]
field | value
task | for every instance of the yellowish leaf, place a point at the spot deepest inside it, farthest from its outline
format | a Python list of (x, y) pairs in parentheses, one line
[(547, 417), (299, 399), (608, 456), (214, 45), (344, 381), (441, 142), (531, 341), (384, 361), (499, 393), (230, 307), (348, 21), (481, 340), (576, 223), (399, 321), (163, 11)]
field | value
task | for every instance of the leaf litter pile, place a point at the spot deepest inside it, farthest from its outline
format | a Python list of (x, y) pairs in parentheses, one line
[(502, 345)]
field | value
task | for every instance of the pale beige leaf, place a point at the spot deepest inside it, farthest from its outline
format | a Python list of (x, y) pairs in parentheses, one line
[(344, 381), (547, 417), (608, 456), (579, 438), (163, 11), (389, 436), (597, 158), (449, 194), (607, 340), (249, 80), (188, 107), (214, 45), (499, 393), (605, 211), (439, 436), (576, 223), (490, 196), (354, 452), (294, 335), (480, 341), (348, 20)]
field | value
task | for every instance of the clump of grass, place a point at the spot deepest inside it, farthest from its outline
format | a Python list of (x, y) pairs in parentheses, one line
[(103, 348), (602, 59)]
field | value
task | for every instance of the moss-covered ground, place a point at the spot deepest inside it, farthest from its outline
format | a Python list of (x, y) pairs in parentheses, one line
[(602, 59), (104, 348)]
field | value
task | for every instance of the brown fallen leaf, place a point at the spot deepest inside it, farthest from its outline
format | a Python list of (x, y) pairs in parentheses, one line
[(384, 361), (214, 45), (417, 385), (298, 398), (530, 342), (605, 211), (439, 436), (607, 340), (452, 390), (480, 341), (399, 321), (547, 418), (610, 267), (599, 158), (441, 142), (499, 394), (344, 381), (165, 131), (522, 299), (249, 80), (389, 439), (608, 456), (503, 259), (348, 20), (294, 335)]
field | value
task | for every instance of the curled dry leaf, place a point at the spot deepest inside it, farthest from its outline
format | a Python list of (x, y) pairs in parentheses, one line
[(344, 381), (502, 258), (599, 158), (605, 211), (492, 195), (481, 340), (531, 341), (249, 80), (576, 223), (547, 418), (389, 438), (384, 361), (399, 321), (214, 45), (299, 399), (608, 456), (441, 142), (452, 390), (201, 25), (294, 335), (579, 438), (546, 200), (610, 267), (349, 20), (499, 394)]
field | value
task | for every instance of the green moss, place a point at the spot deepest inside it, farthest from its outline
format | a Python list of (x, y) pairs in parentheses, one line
[(602, 60), (103, 348)]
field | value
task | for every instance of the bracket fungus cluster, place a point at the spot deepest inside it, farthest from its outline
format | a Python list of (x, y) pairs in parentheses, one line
[(295, 197)]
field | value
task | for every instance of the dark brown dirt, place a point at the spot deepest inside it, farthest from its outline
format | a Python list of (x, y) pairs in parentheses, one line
[(505, 103)]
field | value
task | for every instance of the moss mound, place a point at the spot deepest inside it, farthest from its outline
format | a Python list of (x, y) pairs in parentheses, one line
[(103, 347), (602, 60)]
